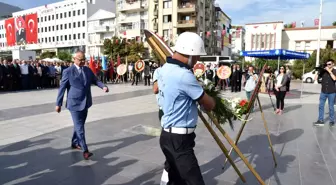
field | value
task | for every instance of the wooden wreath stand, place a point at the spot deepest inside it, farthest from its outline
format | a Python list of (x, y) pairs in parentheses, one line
[(163, 52)]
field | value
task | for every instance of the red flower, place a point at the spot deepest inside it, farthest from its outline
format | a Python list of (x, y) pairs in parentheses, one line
[(242, 103)]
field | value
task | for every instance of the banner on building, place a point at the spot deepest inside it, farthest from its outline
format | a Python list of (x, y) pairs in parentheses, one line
[(10, 31), (21, 30), (31, 29)]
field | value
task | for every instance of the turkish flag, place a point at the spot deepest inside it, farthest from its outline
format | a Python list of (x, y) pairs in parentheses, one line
[(10, 32), (31, 28)]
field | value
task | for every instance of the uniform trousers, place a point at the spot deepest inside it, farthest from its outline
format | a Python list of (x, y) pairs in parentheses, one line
[(181, 162)]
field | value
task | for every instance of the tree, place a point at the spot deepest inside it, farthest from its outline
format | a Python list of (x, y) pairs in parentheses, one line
[(310, 63), (259, 63), (47, 54), (122, 47), (288, 25), (334, 23), (155, 57), (64, 56)]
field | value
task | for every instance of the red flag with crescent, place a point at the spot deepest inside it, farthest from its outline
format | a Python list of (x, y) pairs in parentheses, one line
[(31, 28), (10, 32)]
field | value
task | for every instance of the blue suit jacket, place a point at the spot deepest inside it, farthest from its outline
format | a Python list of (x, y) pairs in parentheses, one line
[(79, 93)]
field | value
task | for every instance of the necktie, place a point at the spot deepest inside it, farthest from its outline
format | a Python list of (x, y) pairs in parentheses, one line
[(81, 72)]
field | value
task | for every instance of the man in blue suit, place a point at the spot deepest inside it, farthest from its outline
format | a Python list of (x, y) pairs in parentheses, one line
[(77, 80)]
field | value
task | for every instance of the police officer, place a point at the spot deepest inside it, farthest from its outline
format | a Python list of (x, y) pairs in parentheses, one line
[(179, 93)]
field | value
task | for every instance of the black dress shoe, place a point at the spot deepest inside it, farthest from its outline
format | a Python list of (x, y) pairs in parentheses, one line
[(87, 155), (75, 147), (332, 123)]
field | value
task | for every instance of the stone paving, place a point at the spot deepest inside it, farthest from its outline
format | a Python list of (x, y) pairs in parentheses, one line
[(122, 130)]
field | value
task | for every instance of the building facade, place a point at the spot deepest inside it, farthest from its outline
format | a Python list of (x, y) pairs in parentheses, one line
[(223, 33), (238, 39), (62, 26), (274, 35), (132, 18), (169, 18), (101, 26), (305, 38)]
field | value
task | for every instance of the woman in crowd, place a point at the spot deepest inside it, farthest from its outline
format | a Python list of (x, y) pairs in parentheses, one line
[(281, 89)]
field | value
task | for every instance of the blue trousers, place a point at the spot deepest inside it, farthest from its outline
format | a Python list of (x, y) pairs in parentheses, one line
[(248, 95), (331, 101), (78, 138)]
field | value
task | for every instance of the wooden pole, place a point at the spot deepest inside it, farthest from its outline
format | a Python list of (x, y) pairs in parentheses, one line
[(221, 145), (267, 131), (237, 150)]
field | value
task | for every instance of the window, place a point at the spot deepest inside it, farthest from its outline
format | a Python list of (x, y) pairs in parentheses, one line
[(267, 42), (74, 13), (49, 28), (65, 26), (65, 15), (262, 41), (78, 24), (56, 16), (45, 29), (167, 4), (167, 18), (83, 11), (57, 38), (53, 28), (38, 30), (83, 36), (65, 37), (78, 12), (253, 41), (307, 46), (83, 23), (61, 37), (74, 25), (61, 15), (297, 45), (69, 25), (69, 37), (49, 18), (74, 36), (78, 36), (165, 33), (42, 39), (53, 17), (53, 39), (38, 19), (39, 40), (56, 27), (69, 13), (258, 42), (45, 18), (49, 39), (272, 41)]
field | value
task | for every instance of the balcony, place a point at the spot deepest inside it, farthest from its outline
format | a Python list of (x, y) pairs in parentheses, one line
[(96, 42), (135, 6), (187, 8), (156, 13), (186, 24), (101, 29)]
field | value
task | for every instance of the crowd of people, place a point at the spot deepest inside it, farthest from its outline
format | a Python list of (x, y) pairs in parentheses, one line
[(31, 75)]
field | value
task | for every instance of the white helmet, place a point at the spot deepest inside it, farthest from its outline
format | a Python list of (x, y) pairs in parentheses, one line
[(191, 44)]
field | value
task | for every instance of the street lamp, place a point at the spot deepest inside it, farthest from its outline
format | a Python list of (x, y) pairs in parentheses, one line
[(319, 38)]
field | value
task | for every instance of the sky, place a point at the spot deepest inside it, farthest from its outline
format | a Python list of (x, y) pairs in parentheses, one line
[(251, 11)]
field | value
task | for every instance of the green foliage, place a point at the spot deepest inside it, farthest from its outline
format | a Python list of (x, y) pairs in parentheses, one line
[(334, 23), (288, 26), (155, 57), (118, 46), (64, 56), (47, 54), (259, 63), (310, 63)]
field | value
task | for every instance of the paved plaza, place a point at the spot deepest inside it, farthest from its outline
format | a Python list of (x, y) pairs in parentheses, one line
[(122, 129)]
